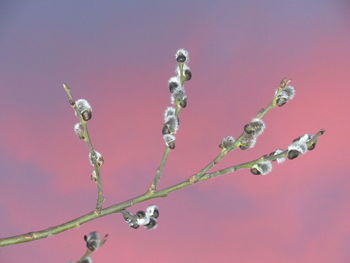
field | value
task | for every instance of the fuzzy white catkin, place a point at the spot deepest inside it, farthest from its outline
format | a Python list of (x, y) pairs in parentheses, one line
[(259, 126), (83, 105), (305, 138), (175, 81), (279, 160), (248, 141), (183, 52), (143, 221), (169, 138), (93, 236), (227, 142), (87, 260), (150, 210), (152, 224), (290, 92), (170, 111), (79, 131), (93, 176), (172, 124), (299, 146), (178, 95), (284, 95), (93, 240), (99, 159), (263, 167)]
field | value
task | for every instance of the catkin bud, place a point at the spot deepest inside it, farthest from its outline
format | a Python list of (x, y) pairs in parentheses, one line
[(186, 72), (152, 224), (86, 260), (182, 56), (285, 95), (165, 130), (79, 130), (169, 140), (84, 109), (141, 218), (134, 225), (282, 99), (290, 92), (93, 176), (171, 125), (173, 83), (255, 127), (188, 75), (183, 103), (306, 138), (152, 211), (130, 219), (170, 111), (278, 151), (227, 142), (296, 148), (92, 240), (247, 141), (179, 97), (261, 168), (96, 157), (292, 154)]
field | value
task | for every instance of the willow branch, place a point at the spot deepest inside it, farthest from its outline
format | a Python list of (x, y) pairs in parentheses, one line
[(100, 198), (159, 171), (234, 168), (116, 208), (167, 150), (163, 161), (236, 144)]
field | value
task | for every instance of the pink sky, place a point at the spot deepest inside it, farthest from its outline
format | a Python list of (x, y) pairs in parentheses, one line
[(119, 57)]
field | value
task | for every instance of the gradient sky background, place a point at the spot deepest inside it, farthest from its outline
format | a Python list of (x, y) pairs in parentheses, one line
[(119, 55)]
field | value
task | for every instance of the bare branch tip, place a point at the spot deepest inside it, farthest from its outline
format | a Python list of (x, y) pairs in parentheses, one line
[(65, 86)]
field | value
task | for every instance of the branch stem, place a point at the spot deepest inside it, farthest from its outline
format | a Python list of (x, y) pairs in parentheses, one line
[(100, 198), (159, 171), (163, 161), (77, 222), (236, 144)]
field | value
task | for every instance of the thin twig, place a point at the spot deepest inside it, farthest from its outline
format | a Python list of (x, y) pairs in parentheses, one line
[(156, 179), (159, 171), (139, 199), (100, 198), (231, 169), (236, 144), (161, 167)]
